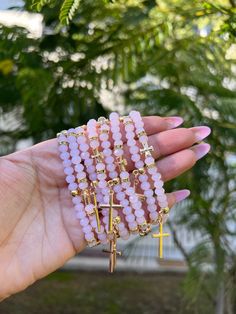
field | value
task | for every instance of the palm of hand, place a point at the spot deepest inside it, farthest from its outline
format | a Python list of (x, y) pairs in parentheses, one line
[(37, 214)]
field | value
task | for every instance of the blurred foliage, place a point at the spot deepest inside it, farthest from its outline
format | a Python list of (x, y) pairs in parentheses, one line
[(169, 57)]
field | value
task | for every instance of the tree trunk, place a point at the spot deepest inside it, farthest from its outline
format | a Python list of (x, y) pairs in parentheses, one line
[(220, 299)]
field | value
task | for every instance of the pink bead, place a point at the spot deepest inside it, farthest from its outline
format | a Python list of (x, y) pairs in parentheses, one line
[(129, 127), (130, 191), (81, 139), (72, 186), (68, 170), (159, 191), (143, 178), (130, 218), (145, 185), (151, 200), (158, 184), (143, 139), (66, 163), (151, 207), (89, 208), (153, 215), (125, 185), (152, 171), (94, 144), (105, 144), (84, 147), (113, 174), (91, 169), (87, 229), (134, 150), (101, 176), (140, 220), (100, 166), (121, 226), (149, 160), (76, 160), (109, 160), (102, 184), (84, 222), (111, 167), (107, 152), (77, 201), (127, 210), (70, 179), (117, 188), (124, 174), (65, 155), (73, 146), (118, 152), (93, 177), (130, 135), (139, 213), (124, 202), (85, 155), (156, 176), (133, 225), (114, 116), (83, 185), (80, 175), (104, 137), (148, 193), (63, 148), (131, 142), (139, 164), (89, 236), (120, 196), (80, 215)]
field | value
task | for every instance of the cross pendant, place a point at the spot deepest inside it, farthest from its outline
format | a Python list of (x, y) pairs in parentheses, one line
[(96, 211), (160, 236), (146, 150), (122, 164), (113, 254), (111, 206), (97, 155), (142, 197)]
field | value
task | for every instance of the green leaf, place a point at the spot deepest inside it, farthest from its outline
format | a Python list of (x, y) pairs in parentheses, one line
[(68, 10)]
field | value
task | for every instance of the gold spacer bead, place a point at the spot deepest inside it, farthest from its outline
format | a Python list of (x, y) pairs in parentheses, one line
[(141, 134), (134, 230), (75, 193), (165, 210), (118, 146), (92, 138), (72, 134), (104, 131), (150, 166), (102, 120), (82, 180), (62, 143), (116, 181), (117, 219), (80, 134), (125, 180), (101, 171), (135, 172), (93, 242), (144, 229), (141, 170)]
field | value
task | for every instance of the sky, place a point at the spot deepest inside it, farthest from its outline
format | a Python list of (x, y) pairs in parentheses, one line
[(4, 4)]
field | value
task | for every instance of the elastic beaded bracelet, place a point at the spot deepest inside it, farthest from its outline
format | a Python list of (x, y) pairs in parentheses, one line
[(65, 142), (111, 169), (91, 192), (136, 220), (151, 166)]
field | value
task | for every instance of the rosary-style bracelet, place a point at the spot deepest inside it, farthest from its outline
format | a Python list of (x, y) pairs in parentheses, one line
[(112, 201)]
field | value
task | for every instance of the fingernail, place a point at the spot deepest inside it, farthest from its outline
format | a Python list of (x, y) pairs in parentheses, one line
[(173, 122), (201, 132), (181, 195), (201, 149)]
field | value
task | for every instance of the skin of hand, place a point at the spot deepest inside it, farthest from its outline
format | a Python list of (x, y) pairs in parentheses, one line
[(38, 228)]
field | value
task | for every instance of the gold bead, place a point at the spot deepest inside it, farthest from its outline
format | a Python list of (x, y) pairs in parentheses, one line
[(117, 219), (116, 181), (101, 171), (93, 138), (118, 146), (151, 166), (125, 180), (72, 134), (141, 170), (165, 210), (134, 230), (144, 229), (141, 133), (62, 143), (75, 193), (80, 134), (135, 172), (82, 180), (104, 131)]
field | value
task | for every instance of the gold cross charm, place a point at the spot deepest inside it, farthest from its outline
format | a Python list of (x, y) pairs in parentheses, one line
[(136, 173), (122, 164), (96, 211), (97, 155), (113, 253), (111, 206), (146, 150), (160, 236)]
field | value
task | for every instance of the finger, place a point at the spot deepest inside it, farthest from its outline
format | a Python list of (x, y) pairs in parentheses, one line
[(176, 197), (152, 125), (174, 165), (171, 141)]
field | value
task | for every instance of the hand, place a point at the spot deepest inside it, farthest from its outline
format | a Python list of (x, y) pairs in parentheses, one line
[(38, 228)]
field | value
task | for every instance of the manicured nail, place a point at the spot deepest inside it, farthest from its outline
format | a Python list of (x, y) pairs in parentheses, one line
[(173, 122), (201, 132), (201, 149), (181, 195)]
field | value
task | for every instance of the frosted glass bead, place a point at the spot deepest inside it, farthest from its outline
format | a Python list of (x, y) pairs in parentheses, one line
[(121, 226), (79, 167), (81, 139), (127, 210), (124, 202), (80, 215), (105, 144), (140, 220), (139, 213), (68, 170), (118, 152), (79, 129), (139, 164), (91, 169), (88, 162), (70, 179), (130, 191), (75, 152), (65, 155), (87, 229), (151, 200), (84, 147), (134, 150), (130, 135), (153, 215), (148, 193), (149, 160), (94, 144), (158, 184), (73, 145), (62, 138), (124, 174), (151, 207), (156, 176), (133, 225), (84, 155), (76, 160), (130, 218), (133, 198), (107, 152), (114, 116), (93, 176), (125, 185), (129, 127), (159, 191), (89, 208), (89, 236), (102, 184), (101, 176), (152, 170), (111, 167), (145, 185), (120, 196), (72, 186), (104, 136), (143, 178), (77, 201), (143, 139), (80, 175), (84, 222), (100, 166), (92, 123), (66, 163), (63, 148), (113, 174), (109, 160), (83, 185)]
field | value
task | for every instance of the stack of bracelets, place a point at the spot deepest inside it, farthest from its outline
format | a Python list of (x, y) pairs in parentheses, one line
[(107, 198)]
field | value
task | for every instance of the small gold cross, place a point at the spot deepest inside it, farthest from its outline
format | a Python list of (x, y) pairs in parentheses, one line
[(122, 162), (111, 206), (97, 155), (113, 255), (160, 236), (96, 211), (142, 197), (146, 150)]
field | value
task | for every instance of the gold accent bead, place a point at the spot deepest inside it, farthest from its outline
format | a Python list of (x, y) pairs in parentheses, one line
[(104, 131), (80, 134), (93, 138), (62, 143), (165, 210), (141, 170), (82, 180), (117, 219), (134, 230), (101, 171), (93, 242), (102, 120), (75, 193), (144, 229), (125, 180), (118, 146), (72, 134), (135, 172), (141, 134), (151, 166)]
